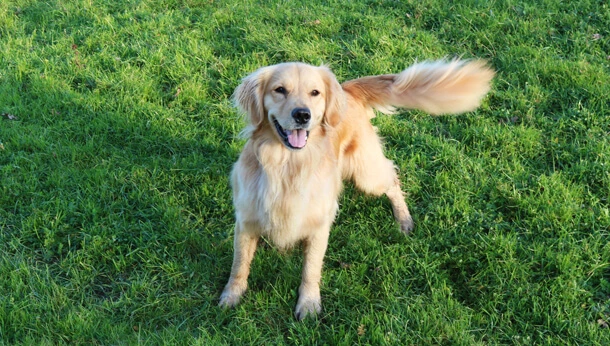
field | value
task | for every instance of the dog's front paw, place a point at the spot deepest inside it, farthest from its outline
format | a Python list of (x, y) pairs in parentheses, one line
[(308, 306), (230, 297)]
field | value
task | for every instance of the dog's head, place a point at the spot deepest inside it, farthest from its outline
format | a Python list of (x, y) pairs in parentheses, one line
[(293, 99)]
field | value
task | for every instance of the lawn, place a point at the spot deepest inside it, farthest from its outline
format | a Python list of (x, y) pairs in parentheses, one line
[(117, 135)]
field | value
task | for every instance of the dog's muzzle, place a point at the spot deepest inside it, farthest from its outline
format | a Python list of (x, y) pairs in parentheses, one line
[(295, 138)]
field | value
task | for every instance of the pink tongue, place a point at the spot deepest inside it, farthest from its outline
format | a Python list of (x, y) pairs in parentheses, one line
[(297, 138)]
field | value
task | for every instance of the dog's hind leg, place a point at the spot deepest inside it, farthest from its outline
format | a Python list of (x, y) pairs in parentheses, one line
[(399, 206), (373, 173)]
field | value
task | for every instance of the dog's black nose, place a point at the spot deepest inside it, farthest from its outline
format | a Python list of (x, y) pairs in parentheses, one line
[(301, 115)]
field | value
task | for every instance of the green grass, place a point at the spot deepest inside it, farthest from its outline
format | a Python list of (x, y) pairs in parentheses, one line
[(115, 208)]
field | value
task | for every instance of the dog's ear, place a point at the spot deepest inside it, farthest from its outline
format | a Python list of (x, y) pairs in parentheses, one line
[(335, 98), (248, 96)]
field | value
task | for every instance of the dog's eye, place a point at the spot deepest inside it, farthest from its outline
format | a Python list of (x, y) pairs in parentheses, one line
[(315, 93), (280, 90)]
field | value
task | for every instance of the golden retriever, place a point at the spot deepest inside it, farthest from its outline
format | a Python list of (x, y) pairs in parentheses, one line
[(306, 134)]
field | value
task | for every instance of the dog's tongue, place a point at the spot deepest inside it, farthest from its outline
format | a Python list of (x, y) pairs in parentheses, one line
[(297, 138)]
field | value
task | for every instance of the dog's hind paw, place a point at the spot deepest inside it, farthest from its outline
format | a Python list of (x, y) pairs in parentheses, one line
[(406, 225)]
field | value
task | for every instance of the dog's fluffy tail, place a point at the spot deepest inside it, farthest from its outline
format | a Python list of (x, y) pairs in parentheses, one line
[(438, 87)]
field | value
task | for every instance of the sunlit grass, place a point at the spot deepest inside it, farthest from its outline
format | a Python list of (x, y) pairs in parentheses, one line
[(117, 135)]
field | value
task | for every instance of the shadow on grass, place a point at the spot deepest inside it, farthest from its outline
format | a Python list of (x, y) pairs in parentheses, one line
[(120, 201)]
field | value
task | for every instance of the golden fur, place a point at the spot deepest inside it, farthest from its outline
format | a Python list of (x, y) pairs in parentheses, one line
[(306, 134)]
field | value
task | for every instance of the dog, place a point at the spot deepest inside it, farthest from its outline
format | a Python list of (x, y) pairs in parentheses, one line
[(306, 134)]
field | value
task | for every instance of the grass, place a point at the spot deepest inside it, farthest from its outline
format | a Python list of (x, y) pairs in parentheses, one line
[(117, 136)]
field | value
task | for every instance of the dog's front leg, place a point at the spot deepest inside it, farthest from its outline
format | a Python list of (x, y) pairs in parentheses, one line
[(244, 247), (314, 249)]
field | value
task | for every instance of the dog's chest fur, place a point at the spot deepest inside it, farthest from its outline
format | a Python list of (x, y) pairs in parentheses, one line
[(286, 197)]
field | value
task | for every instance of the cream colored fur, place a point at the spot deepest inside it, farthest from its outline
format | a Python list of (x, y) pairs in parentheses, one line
[(290, 195)]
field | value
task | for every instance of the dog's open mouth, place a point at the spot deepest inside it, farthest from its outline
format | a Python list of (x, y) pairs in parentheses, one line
[(293, 139)]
